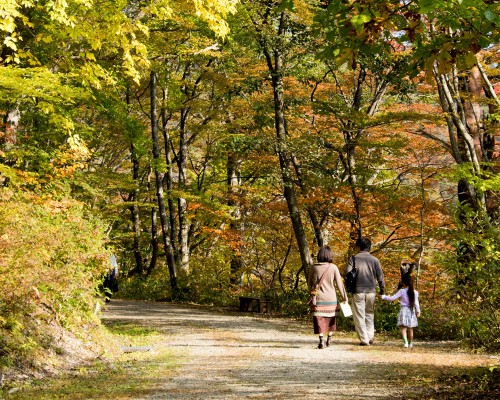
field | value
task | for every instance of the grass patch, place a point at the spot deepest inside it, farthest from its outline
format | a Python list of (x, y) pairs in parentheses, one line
[(125, 376), (477, 383), (137, 334)]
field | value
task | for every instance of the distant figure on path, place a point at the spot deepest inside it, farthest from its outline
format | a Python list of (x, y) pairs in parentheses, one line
[(110, 280), (409, 309), (363, 299), (325, 274)]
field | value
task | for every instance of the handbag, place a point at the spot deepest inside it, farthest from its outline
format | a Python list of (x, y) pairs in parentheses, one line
[(350, 278), (312, 297)]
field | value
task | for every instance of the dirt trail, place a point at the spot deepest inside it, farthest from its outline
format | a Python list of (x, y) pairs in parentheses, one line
[(242, 356)]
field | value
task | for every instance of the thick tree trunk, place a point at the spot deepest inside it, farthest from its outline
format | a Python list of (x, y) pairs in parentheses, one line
[(490, 143), (159, 187), (463, 128)]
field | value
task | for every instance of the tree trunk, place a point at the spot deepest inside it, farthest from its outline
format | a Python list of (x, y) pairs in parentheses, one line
[(134, 210), (159, 187), (154, 241), (313, 216), (462, 129), (168, 177), (275, 65), (233, 183), (182, 202)]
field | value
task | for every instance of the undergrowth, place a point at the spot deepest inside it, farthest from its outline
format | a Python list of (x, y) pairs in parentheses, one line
[(124, 375), (479, 383)]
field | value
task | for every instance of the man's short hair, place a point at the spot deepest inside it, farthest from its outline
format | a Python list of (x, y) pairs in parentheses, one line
[(364, 244)]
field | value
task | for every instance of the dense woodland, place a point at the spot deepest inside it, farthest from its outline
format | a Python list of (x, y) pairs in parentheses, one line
[(215, 145)]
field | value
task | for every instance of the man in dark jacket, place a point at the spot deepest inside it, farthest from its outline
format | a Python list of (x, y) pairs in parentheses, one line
[(369, 272)]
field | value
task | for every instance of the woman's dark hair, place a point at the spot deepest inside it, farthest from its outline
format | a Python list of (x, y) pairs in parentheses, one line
[(325, 254), (364, 244), (408, 282)]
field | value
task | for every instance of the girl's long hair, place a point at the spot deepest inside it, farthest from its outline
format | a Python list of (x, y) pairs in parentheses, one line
[(408, 282)]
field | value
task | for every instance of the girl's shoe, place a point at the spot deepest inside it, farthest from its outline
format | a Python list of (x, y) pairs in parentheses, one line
[(406, 345)]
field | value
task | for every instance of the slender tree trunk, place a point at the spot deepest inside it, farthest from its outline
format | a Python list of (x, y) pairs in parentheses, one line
[(136, 221), (423, 209), (182, 202), (159, 187), (134, 210), (313, 216), (318, 233), (168, 177), (351, 135), (275, 64), (350, 163), (154, 240), (233, 183)]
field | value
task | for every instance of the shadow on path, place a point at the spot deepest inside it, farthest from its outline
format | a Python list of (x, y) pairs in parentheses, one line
[(242, 356)]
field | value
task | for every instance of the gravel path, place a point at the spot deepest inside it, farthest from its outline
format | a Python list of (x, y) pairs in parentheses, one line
[(226, 355)]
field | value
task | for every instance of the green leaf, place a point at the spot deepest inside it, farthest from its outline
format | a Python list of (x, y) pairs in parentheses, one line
[(359, 20), (490, 15)]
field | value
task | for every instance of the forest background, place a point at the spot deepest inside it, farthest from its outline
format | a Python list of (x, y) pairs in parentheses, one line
[(214, 145)]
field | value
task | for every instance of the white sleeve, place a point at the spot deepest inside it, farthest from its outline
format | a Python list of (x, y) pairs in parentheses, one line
[(395, 296)]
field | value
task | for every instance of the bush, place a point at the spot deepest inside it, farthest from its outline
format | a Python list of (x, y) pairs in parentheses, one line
[(292, 304), (154, 287), (475, 267), (52, 260)]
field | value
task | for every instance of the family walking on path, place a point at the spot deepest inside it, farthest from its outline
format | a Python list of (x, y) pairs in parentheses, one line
[(324, 280)]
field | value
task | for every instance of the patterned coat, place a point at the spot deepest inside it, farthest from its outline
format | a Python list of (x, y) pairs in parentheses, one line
[(326, 298)]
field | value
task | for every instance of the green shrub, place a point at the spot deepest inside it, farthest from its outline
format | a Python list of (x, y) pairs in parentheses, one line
[(289, 304), (154, 287), (386, 316), (52, 260)]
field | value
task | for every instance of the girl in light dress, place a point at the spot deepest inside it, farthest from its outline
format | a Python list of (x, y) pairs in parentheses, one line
[(409, 309)]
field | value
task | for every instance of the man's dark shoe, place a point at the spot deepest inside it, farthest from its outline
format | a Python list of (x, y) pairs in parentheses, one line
[(371, 341), (363, 344)]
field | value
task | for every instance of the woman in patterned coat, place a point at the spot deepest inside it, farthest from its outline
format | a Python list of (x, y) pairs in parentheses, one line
[(325, 309)]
